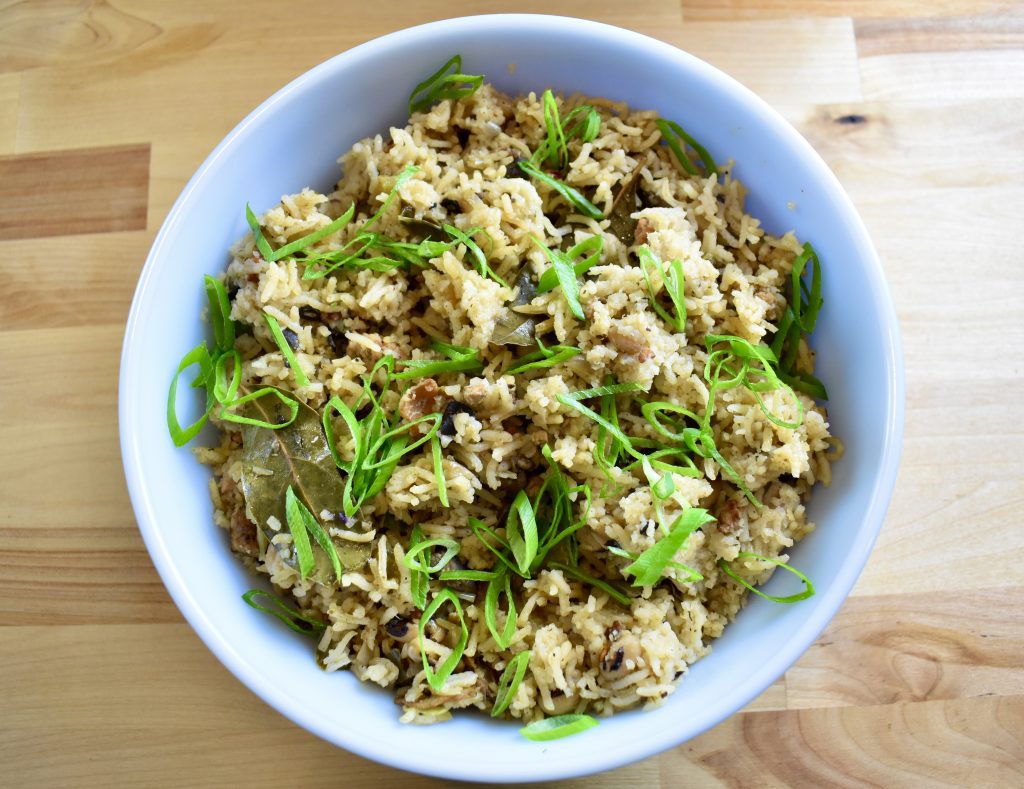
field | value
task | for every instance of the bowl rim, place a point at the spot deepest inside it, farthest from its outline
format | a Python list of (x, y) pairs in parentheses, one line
[(754, 683)]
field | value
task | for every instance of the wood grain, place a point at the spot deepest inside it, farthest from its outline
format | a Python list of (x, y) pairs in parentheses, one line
[(62, 193), (106, 109)]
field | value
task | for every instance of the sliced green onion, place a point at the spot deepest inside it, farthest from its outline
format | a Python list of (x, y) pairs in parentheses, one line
[(590, 249), (442, 487), (286, 349), (615, 430), (607, 389), (674, 281), (649, 565), (543, 357), (557, 727), (499, 585), (565, 275), (571, 195), (313, 526), (200, 356), (257, 233), (414, 561), (229, 416), (575, 572), (467, 575), (442, 85), (459, 360), (224, 391), (298, 525), (486, 535), (220, 313), (509, 682), (794, 598), (671, 133), (403, 178), (437, 677), (296, 620), (419, 581), (521, 532), (307, 240), (475, 252)]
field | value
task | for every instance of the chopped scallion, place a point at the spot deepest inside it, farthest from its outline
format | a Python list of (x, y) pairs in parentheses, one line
[(296, 620), (443, 85), (574, 197), (793, 598), (672, 133), (557, 727), (436, 678), (286, 349), (509, 682)]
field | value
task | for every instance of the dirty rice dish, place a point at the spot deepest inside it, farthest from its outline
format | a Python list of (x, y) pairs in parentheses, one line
[(602, 421)]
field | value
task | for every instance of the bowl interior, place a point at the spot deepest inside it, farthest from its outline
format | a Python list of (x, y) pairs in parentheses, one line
[(293, 140)]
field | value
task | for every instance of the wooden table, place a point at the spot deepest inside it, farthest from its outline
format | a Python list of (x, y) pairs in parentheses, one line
[(107, 108)]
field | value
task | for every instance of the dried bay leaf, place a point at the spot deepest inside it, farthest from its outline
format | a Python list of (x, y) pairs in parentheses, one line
[(620, 223), (514, 328), (295, 455)]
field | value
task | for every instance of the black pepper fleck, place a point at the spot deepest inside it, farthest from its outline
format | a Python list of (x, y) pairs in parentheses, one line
[(310, 314), (338, 341), (448, 417), (451, 206), (291, 338), (851, 120)]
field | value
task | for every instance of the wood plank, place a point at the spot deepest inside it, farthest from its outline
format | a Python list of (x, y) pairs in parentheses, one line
[(791, 63), (10, 102), (939, 34), (915, 647), (888, 149), (87, 358), (759, 9), (961, 742), (71, 281), (937, 77), (60, 193)]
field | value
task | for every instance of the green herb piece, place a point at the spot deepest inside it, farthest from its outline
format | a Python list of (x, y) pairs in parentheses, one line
[(443, 85), (200, 356), (467, 575), (286, 349), (403, 178), (605, 390), (672, 133), (649, 565), (220, 314), (300, 244), (543, 357), (799, 319), (566, 276), (794, 598), (459, 360), (613, 429), (673, 279), (257, 233), (521, 532), (477, 254), (554, 150), (296, 620), (224, 390), (574, 197), (419, 580), (499, 585), (251, 399), (442, 486), (557, 727), (297, 525), (588, 253), (494, 543), (575, 572), (437, 677), (413, 558), (301, 521), (509, 682)]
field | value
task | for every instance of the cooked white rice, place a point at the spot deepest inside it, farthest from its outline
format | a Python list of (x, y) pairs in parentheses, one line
[(735, 278)]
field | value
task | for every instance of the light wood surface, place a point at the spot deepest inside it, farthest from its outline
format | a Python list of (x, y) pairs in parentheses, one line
[(919, 681)]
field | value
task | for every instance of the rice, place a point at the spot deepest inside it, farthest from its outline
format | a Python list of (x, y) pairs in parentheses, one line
[(735, 279)]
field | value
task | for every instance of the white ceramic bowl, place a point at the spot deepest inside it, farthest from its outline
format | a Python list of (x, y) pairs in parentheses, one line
[(293, 140)]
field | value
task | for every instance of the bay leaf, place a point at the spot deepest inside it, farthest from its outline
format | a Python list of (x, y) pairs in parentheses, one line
[(620, 223), (514, 328), (424, 228), (295, 455)]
